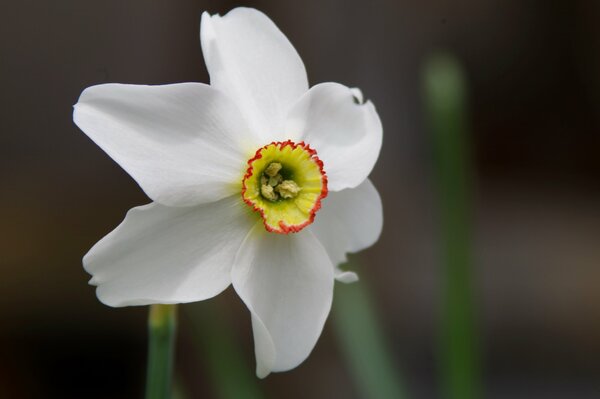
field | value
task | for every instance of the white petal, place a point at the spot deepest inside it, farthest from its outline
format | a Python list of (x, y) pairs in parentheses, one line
[(345, 277), (182, 143), (287, 283), (345, 133), (250, 60), (349, 221), (161, 254)]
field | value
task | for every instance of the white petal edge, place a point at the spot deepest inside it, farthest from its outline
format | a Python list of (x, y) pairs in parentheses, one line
[(349, 221), (358, 95), (185, 144), (286, 281), (345, 277), (250, 59), (346, 133), (162, 254)]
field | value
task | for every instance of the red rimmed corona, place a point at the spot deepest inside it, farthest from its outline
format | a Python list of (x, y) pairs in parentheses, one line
[(285, 182)]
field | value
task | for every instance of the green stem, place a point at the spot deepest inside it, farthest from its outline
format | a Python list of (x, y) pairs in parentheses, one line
[(445, 96), (363, 343), (217, 345), (162, 323)]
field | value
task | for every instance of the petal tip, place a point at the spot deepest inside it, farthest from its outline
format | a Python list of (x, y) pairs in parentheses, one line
[(262, 372), (205, 18), (105, 300), (347, 277), (358, 95)]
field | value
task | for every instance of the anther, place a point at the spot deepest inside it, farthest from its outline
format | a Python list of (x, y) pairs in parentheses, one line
[(267, 192), (273, 169), (275, 180), (272, 185), (288, 189)]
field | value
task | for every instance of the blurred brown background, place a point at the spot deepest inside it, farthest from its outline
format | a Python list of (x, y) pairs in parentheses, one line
[(534, 74)]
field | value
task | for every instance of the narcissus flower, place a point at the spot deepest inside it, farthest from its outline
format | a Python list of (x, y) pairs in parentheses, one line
[(256, 181)]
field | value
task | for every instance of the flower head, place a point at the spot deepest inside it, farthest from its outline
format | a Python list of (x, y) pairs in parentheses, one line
[(256, 181)]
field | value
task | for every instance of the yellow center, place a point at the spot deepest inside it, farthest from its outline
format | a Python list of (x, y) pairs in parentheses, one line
[(285, 183)]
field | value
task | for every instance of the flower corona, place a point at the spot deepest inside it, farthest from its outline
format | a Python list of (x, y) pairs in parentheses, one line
[(285, 182)]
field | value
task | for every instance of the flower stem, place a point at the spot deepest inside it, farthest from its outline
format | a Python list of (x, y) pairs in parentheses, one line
[(162, 323), (445, 96), (219, 349), (363, 343)]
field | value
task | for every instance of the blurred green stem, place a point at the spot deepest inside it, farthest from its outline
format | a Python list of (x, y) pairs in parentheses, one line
[(219, 348), (363, 344), (445, 97), (162, 324)]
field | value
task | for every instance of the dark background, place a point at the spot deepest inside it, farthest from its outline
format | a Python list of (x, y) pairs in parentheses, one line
[(534, 74)]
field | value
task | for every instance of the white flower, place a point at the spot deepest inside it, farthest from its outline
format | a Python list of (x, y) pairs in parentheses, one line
[(256, 136)]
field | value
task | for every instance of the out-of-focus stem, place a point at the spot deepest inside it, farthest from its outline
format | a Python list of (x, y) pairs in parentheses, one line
[(162, 325), (363, 344), (230, 371), (445, 100)]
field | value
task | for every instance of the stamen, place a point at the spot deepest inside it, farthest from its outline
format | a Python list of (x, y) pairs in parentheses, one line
[(288, 189), (275, 180), (267, 192), (273, 169), (271, 183)]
